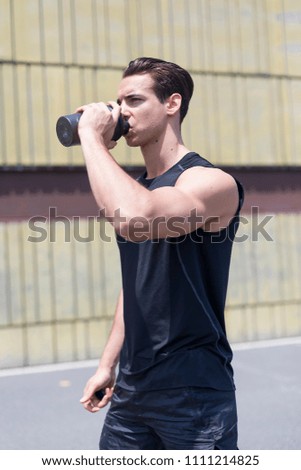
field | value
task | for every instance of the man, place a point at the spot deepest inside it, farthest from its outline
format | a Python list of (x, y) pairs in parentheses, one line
[(175, 227)]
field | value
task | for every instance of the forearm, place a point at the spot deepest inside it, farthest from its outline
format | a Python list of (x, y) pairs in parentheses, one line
[(128, 206), (104, 378), (110, 355), (118, 194)]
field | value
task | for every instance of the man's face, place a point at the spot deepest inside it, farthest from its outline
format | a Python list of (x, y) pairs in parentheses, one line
[(140, 106)]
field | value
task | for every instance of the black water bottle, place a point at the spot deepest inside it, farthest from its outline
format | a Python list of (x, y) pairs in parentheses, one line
[(67, 129)]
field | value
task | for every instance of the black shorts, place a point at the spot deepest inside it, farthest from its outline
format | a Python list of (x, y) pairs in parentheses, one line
[(184, 418)]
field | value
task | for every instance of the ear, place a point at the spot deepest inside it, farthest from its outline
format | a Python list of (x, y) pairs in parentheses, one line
[(173, 104)]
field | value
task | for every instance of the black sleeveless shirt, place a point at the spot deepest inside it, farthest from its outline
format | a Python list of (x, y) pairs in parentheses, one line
[(174, 299)]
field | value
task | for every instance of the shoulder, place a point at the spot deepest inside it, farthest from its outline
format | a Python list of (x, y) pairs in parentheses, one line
[(207, 179), (214, 191)]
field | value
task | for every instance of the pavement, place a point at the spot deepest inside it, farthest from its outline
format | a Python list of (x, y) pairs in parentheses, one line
[(40, 406)]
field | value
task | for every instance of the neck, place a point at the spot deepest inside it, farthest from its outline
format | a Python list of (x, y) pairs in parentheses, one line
[(162, 154)]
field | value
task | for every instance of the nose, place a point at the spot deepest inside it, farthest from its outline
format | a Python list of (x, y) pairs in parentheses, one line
[(124, 110)]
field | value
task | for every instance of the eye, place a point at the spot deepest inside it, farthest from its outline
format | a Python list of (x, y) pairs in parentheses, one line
[(134, 100)]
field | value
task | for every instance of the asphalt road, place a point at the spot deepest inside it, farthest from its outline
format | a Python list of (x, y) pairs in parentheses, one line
[(40, 406)]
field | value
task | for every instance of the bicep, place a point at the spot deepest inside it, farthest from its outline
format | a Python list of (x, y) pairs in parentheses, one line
[(197, 200), (171, 211), (174, 212)]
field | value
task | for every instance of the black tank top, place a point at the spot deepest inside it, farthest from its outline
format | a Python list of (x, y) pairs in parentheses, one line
[(174, 299)]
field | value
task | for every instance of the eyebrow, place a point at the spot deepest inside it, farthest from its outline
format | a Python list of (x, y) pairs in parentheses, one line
[(131, 95)]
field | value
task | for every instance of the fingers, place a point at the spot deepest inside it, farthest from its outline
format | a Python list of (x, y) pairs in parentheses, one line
[(90, 401), (115, 108), (101, 119), (112, 144), (91, 404), (87, 398), (92, 407)]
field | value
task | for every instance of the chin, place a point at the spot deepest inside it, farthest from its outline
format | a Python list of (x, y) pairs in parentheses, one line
[(133, 144), (131, 141)]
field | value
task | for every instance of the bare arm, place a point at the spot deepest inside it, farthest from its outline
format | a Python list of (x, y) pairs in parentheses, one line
[(202, 197), (104, 378)]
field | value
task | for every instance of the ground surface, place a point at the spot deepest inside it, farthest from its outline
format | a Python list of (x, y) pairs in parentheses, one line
[(40, 406)]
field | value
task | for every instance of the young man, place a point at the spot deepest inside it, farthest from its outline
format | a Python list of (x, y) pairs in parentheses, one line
[(175, 227)]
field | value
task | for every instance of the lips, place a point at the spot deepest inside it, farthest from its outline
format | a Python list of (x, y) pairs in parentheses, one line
[(129, 133)]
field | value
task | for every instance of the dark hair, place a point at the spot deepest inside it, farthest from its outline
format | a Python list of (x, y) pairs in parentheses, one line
[(168, 78)]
